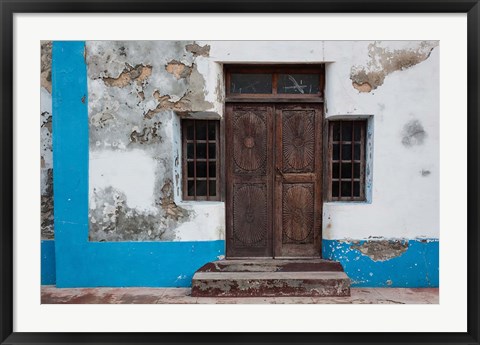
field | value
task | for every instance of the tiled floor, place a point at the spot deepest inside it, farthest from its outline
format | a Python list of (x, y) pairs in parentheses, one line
[(53, 295)]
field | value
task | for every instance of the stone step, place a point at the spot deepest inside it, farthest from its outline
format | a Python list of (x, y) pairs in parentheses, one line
[(272, 265), (270, 279)]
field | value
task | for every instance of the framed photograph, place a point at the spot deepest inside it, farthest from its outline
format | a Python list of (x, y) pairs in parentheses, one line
[(239, 172)]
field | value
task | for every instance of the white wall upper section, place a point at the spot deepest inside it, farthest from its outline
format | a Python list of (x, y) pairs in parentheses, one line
[(405, 195), (396, 83), (405, 198)]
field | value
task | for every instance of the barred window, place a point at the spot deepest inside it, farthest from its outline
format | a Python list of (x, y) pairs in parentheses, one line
[(346, 160), (200, 141)]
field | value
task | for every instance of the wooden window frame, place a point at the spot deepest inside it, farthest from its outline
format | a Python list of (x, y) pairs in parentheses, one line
[(185, 160), (362, 161), (275, 70)]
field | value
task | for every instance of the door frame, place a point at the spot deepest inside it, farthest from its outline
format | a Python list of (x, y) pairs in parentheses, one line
[(277, 99)]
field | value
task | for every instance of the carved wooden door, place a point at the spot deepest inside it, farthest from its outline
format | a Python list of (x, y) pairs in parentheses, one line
[(273, 180)]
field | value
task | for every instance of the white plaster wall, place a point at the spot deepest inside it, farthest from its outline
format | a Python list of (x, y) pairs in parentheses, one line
[(405, 204)]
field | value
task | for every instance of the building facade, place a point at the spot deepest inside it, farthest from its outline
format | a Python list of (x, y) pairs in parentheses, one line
[(160, 156)]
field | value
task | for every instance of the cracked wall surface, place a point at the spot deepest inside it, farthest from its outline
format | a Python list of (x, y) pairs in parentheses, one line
[(138, 92), (46, 155), (384, 61)]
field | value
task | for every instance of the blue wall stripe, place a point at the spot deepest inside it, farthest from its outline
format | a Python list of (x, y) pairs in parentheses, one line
[(80, 263), (418, 266), (48, 262)]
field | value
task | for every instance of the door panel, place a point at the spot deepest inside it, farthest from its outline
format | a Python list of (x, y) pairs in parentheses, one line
[(249, 189), (273, 180), (298, 168)]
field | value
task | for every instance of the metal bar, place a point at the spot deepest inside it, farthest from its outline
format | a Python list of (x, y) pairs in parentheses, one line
[(363, 143), (340, 158), (208, 163), (330, 160), (352, 147), (274, 83), (195, 158)]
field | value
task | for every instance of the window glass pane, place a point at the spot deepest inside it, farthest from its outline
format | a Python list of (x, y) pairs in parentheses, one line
[(212, 128), (346, 170), (336, 152), (336, 131), (335, 172), (211, 151), (189, 130), (335, 189), (356, 170), (191, 188), (212, 188), (346, 188), (251, 83), (357, 130), (356, 188), (190, 169), (298, 83), (346, 152), (347, 130), (201, 169), (357, 152), (201, 130), (212, 169), (190, 150), (201, 188), (201, 150)]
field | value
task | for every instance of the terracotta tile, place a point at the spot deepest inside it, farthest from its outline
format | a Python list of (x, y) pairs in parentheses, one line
[(294, 300), (177, 300), (400, 296), (173, 292), (218, 300)]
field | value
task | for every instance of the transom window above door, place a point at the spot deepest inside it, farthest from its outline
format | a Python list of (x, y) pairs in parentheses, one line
[(275, 82)]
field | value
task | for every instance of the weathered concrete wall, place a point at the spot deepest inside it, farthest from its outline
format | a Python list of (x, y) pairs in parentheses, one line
[(137, 93), (46, 168)]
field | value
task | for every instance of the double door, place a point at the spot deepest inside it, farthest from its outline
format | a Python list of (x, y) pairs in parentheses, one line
[(273, 156)]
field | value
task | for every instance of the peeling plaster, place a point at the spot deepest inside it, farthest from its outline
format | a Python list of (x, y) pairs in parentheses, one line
[(178, 69), (46, 156), (384, 62), (130, 74), (382, 250), (47, 204), (136, 92), (114, 220), (46, 65), (197, 50)]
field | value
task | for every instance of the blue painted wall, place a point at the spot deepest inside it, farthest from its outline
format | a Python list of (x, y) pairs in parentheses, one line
[(72, 261), (418, 266), (48, 262), (80, 263)]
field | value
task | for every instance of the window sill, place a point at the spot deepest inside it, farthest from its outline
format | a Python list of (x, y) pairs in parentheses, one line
[(342, 203), (200, 202)]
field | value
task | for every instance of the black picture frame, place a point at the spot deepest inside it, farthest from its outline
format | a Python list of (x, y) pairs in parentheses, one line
[(10, 7)]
